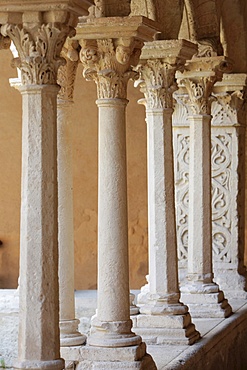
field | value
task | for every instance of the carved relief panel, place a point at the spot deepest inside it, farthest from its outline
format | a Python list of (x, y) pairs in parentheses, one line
[(227, 166)]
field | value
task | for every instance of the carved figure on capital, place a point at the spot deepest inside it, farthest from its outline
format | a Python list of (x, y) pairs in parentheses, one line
[(39, 50), (109, 63)]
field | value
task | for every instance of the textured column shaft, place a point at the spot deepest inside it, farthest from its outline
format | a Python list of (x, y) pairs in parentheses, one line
[(113, 275), (200, 236), (68, 324), (38, 324), (161, 209)]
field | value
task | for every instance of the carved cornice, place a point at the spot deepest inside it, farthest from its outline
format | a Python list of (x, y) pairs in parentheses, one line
[(67, 73), (157, 83), (198, 79), (109, 63), (39, 50)]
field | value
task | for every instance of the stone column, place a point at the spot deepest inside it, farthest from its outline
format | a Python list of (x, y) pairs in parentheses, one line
[(200, 293), (228, 184), (69, 335), (107, 60), (163, 319), (39, 36)]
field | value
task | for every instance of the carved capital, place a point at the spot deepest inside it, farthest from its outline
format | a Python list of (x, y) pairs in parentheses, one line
[(157, 82), (198, 79), (109, 63), (39, 49), (229, 108), (67, 73), (199, 94)]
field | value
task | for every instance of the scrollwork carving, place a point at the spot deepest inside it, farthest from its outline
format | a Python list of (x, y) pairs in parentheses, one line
[(181, 151), (109, 63), (39, 51), (221, 159)]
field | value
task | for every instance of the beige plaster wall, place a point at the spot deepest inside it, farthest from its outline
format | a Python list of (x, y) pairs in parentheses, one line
[(85, 181), (10, 169)]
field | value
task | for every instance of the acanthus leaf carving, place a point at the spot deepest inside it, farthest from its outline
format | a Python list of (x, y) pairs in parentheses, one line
[(67, 73), (199, 94), (39, 51), (157, 83), (109, 63)]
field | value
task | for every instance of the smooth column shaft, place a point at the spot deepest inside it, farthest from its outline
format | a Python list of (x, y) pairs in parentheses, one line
[(65, 214), (113, 272)]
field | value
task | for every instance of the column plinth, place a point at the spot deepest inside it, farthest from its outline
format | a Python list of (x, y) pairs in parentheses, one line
[(200, 292), (108, 61), (162, 313)]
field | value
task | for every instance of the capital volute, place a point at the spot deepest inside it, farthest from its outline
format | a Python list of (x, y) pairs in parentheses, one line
[(198, 79)]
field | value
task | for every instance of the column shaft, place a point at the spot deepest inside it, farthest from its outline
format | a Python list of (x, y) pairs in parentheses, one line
[(161, 209), (113, 278), (69, 335), (200, 236), (38, 243)]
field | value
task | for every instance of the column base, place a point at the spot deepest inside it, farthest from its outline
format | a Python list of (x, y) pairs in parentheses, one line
[(166, 329), (99, 358), (112, 334), (36, 365), (205, 301), (134, 310), (69, 334), (232, 282)]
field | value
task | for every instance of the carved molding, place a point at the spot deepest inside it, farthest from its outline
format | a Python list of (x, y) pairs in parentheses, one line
[(157, 83), (109, 63), (39, 50)]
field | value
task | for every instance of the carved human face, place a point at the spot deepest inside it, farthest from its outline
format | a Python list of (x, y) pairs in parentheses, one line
[(122, 54)]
